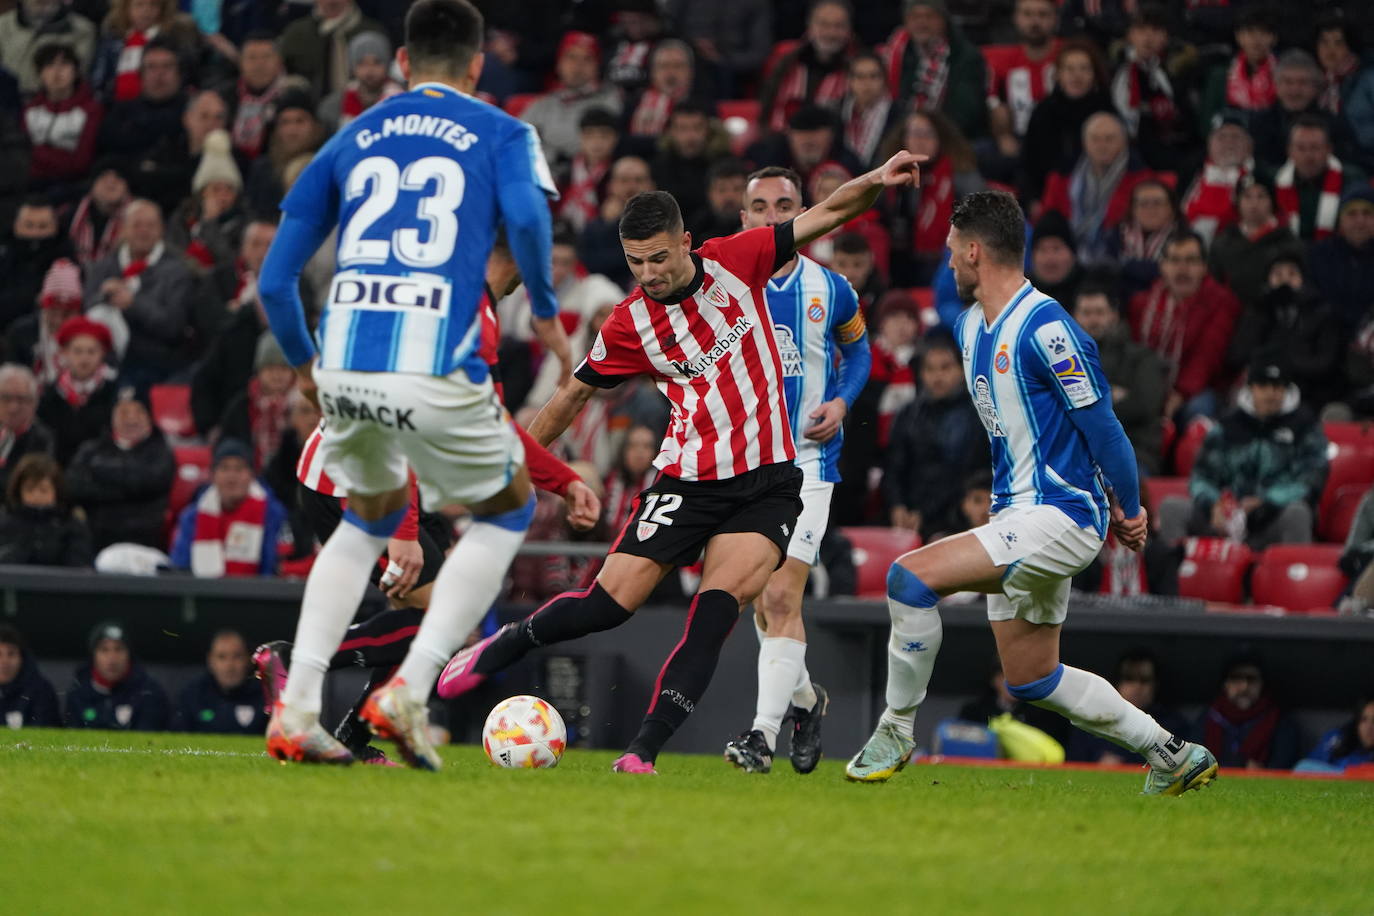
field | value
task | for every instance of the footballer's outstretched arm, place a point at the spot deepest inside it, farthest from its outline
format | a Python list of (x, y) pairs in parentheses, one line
[(855, 196), (561, 410)]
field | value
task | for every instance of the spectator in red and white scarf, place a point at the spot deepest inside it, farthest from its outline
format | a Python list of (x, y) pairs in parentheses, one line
[(894, 338), (815, 70), (633, 472), (931, 65), (1309, 185), (150, 288), (557, 114), (671, 77), (867, 112), (77, 406), (1298, 84), (1349, 79), (32, 339), (1137, 243), (262, 77), (638, 29), (1242, 252), (369, 62), (1209, 206), (207, 225), (232, 527), (98, 223), (583, 185), (61, 121), (1246, 82), (1021, 79), (1156, 114), (125, 34), (260, 414)]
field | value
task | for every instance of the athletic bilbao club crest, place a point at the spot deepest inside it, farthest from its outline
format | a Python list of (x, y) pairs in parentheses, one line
[(244, 715), (646, 530), (815, 311), (598, 349), (717, 295), (124, 713)]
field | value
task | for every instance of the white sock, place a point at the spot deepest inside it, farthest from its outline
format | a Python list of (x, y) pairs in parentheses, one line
[(911, 650), (333, 590), (803, 694), (1092, 704), (781, 661), (467, 584)]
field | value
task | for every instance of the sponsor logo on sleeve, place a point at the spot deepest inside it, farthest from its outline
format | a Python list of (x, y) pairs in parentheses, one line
[(1067, 363)]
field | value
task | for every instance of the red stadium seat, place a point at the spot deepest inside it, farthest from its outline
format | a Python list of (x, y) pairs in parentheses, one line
[(1299, 577), (171, 406), (1189, 444), (515, 104), (874, 550), (1352, 433), (1162, 488), (1334, 523), (1213, 569), (741, 120), (1350, 456)]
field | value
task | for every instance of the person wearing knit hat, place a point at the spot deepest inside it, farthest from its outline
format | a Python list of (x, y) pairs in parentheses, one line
[(112, 690), (77, 405), (1343, 265), (369, 62), (295, 131), (33, 338), (206, 226), (217, 165), (260, 414), (268, 354), (1055, 270)]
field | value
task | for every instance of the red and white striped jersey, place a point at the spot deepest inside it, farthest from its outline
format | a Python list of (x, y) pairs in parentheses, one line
[(310, 466), (713, 355)]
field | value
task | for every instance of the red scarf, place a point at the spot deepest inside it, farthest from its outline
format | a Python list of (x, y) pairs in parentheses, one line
[(1162, 325), (1137, 246), (933, 210), (1139, 87), (82, 232), (582, 198), (1210, 205), (1328, 203), (353, 104), (931, 75), (229, 543), (863, 130), (267, 420), (651, 114), (1123, 571), (894, 370), (798, 85), (78, 393), (128, 83), (1241, 733), (1264, 229), (1250, 91), (253, 112)]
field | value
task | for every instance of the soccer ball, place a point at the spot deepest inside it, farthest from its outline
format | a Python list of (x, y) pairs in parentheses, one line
[(524, 732)]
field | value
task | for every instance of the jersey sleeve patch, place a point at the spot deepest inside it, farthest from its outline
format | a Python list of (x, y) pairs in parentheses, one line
[(1067, 363)]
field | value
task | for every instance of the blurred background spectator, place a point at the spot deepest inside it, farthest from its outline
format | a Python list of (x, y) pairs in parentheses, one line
[(27, 698), (38, 526), (112, 690), (1348, 745), (233, 525), (21, 432), (1242, 252), (557, 114), (122, 479), (77, 405), (1244, 726), (226, 698), (258, 416)]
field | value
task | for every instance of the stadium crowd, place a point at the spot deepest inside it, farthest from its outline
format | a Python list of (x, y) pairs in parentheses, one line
[(1196, 175)]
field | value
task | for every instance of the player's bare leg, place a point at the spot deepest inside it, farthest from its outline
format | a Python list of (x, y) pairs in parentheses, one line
[(332, 591), (782, 676), (736, 567), (1030, 661), (467, 584), (624, 583)]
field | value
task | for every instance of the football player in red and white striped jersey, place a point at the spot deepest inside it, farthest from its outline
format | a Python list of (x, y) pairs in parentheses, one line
[(699, 325)]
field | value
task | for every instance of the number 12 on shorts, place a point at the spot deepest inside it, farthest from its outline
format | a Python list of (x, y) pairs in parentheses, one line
[(659, 506)]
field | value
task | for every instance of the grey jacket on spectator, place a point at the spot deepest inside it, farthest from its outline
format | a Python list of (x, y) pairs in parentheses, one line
[(159, 318), (556, 115), (20, 38)]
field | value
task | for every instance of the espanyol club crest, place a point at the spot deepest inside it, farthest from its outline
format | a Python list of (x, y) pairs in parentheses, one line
[(1002, 361), (243, 715), (815, 311), (646, 530)]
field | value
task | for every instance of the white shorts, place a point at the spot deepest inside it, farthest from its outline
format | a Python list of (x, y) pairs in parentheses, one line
[(454, 433), (811, 524), (1042, 549)]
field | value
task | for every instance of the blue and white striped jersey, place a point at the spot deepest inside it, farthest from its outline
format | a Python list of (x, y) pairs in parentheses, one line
[(1025, 373), (814, 310), (417, 185)]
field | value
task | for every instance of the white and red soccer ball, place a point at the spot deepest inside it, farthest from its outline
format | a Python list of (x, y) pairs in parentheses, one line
[(524, 732)]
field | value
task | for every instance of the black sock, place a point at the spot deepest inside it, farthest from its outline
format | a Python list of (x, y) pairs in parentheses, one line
[(687, 672), (566, 617), (378, 642), (352, 732)]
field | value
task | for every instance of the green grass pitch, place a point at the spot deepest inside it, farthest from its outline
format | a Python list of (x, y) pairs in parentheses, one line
[(123, 823)]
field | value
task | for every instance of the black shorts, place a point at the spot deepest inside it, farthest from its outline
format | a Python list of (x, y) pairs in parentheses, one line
[(323, 514), (673, 519)]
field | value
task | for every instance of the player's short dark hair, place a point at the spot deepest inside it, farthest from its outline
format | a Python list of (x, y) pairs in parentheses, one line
[(443, 35), (778, 171), (46, 54), (597, 116), (995, 219), (648, 213), (729, 167), (1184, 237), (852, 243)]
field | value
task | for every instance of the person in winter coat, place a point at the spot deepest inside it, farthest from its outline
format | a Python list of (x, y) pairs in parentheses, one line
[(62, 121), (123, 479), (27, 698), (232, 526), (1136, 373), (1290, 317), (1054, 136), (76, 407), (38, 527), (931, 65), (1244, 725), (1242, 252), (27, 251), (30, 25), (258, 416), (21, 432), (1261, 469), (112, 690), (225, 699), (1343, 265), (1357, 559)]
